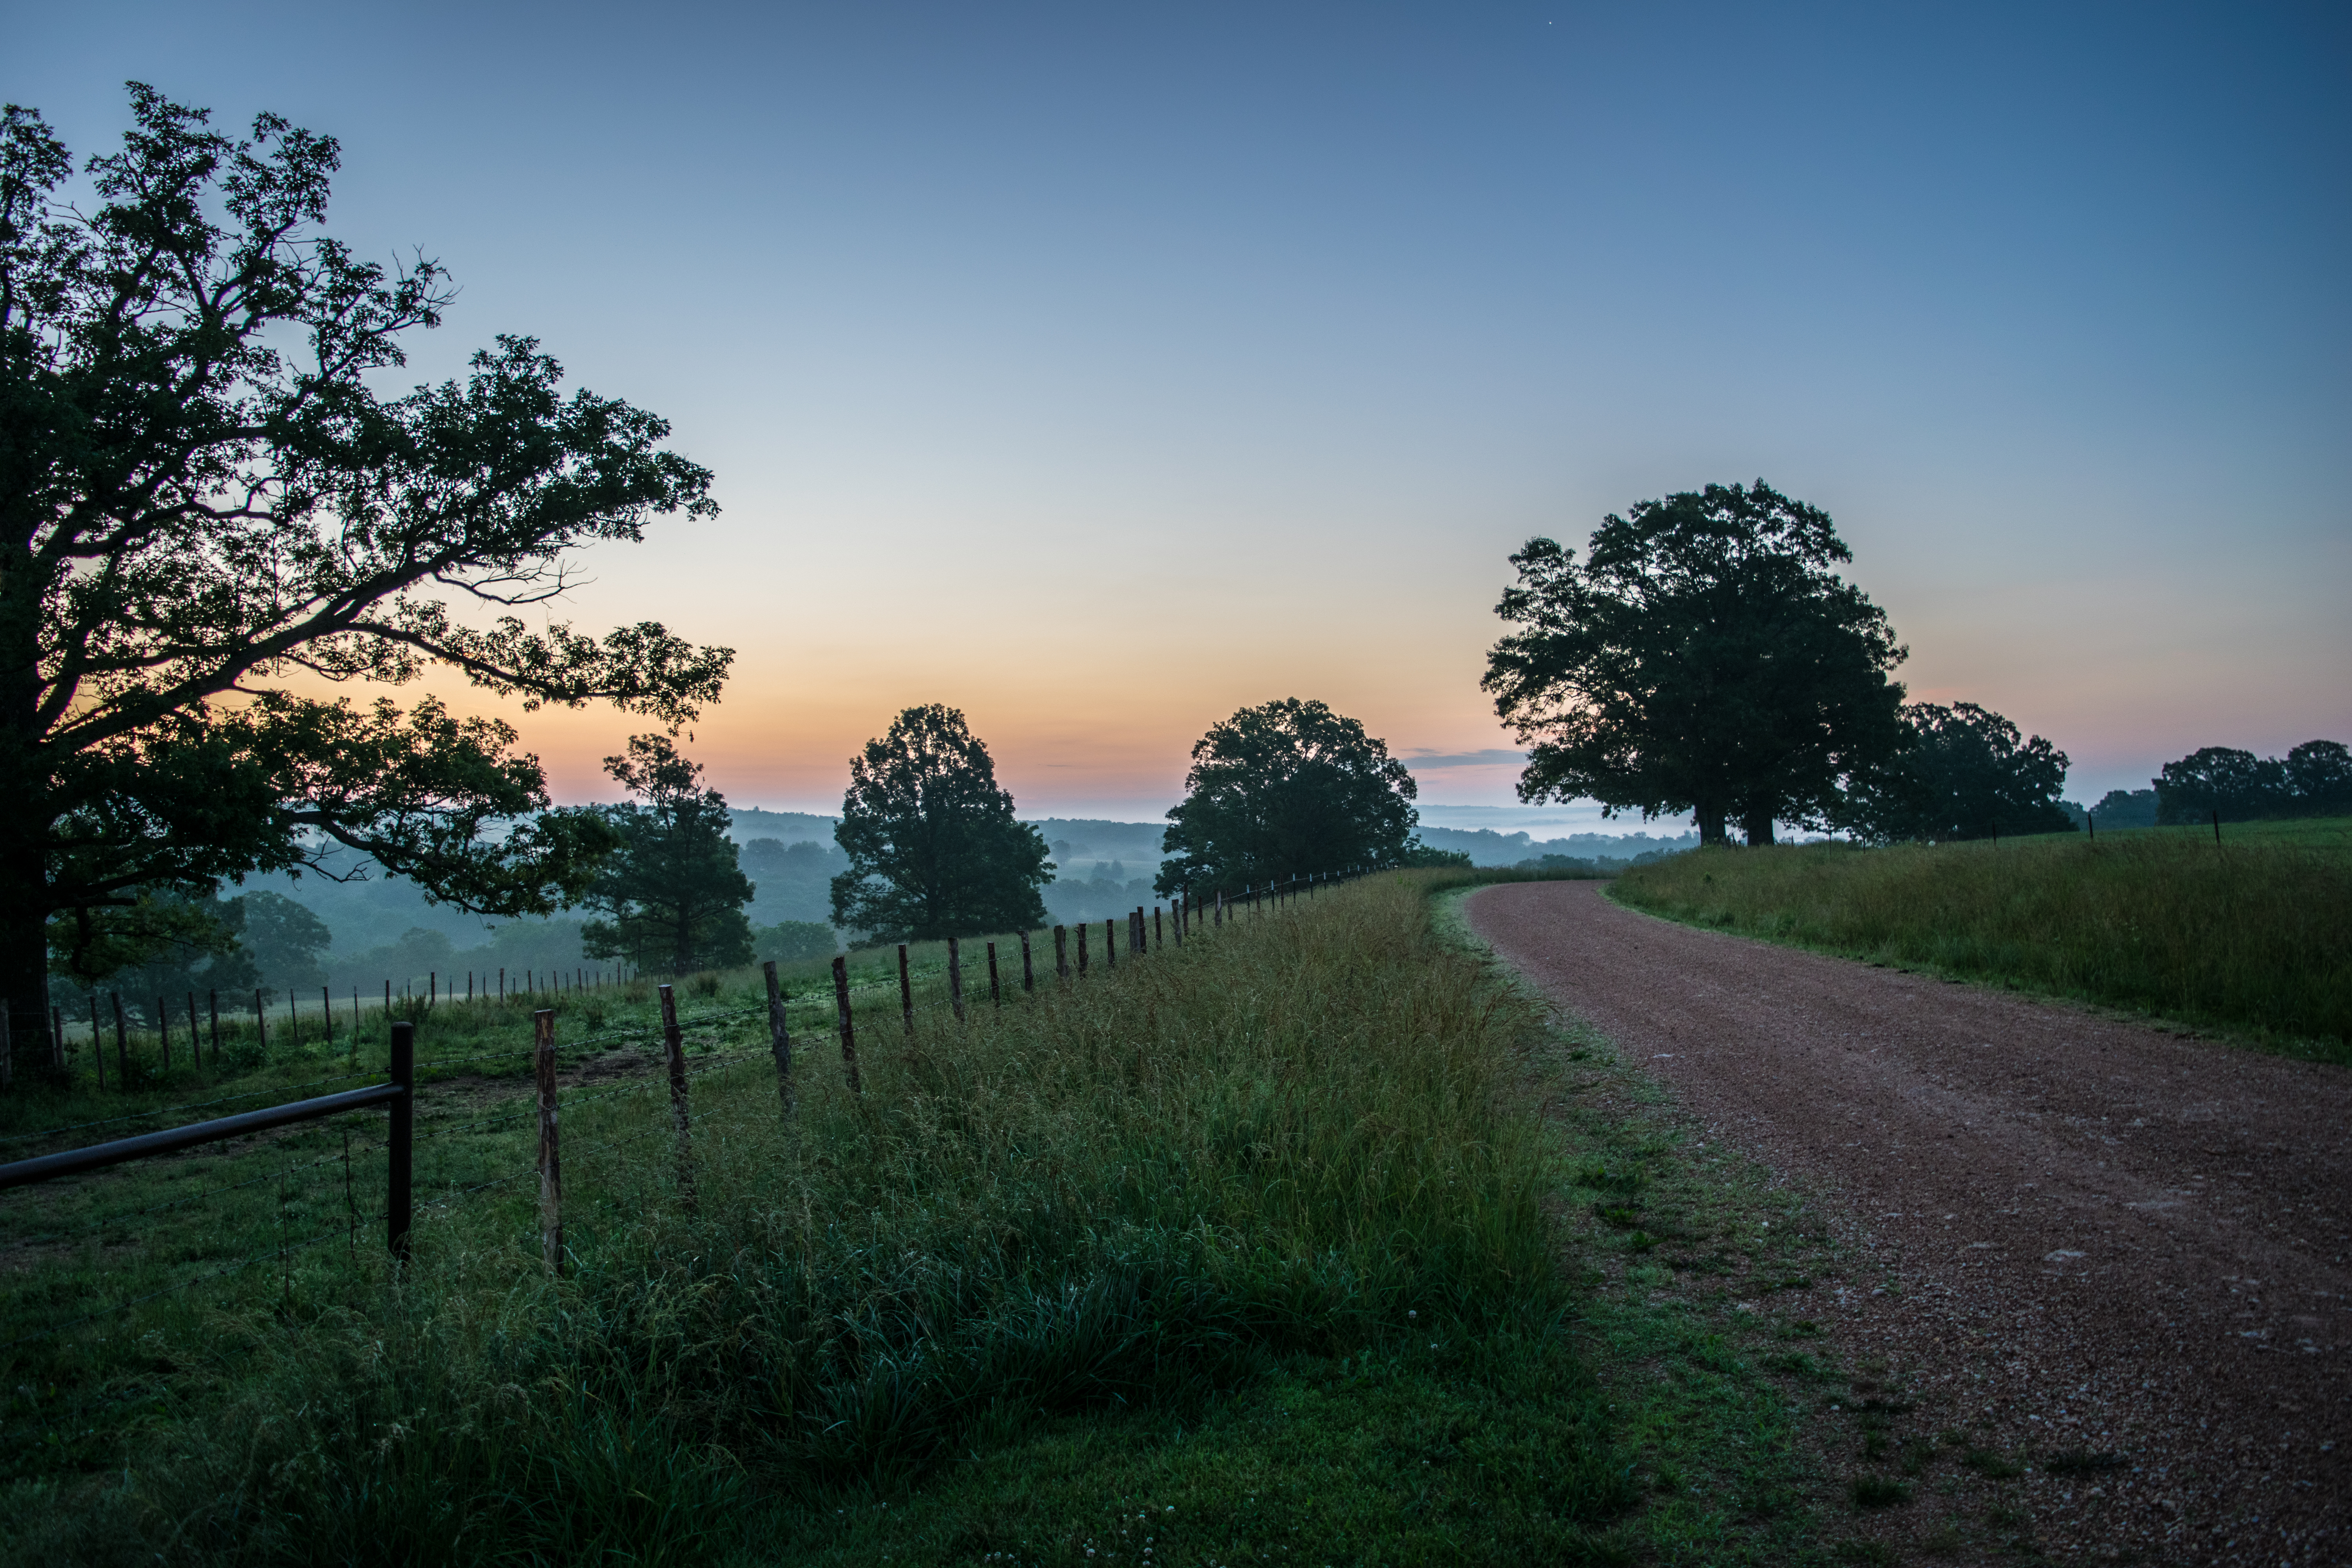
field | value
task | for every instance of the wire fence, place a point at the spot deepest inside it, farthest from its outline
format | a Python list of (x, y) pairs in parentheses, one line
[(437, 1103)]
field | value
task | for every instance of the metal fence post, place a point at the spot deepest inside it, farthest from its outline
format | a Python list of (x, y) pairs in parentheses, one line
[(780, 1038), (681, 1121), (399, 1169), (848, 1029), (551, 1166)]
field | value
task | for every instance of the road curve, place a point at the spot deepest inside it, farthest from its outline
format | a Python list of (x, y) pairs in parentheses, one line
[(2108, 1237)]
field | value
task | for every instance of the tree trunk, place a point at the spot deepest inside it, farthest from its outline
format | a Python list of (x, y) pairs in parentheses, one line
[(1758, 823), (24, 948), (1710, 824)]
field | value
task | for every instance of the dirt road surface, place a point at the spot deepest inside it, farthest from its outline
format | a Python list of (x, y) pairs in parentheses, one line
[(2096, 1238)]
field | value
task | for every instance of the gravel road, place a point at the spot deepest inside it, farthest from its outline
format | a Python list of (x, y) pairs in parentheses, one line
[(2094, 1235)]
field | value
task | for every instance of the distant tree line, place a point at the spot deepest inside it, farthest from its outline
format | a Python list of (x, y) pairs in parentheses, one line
[(2315, 779)]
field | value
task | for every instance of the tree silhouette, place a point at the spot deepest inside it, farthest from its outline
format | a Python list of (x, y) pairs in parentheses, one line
[(933, 849), (1283, 790), (673, 891), (1705, 656), (201, 493)]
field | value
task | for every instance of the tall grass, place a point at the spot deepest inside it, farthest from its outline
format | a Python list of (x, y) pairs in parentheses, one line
[(2253, 934), (1285, 1138)]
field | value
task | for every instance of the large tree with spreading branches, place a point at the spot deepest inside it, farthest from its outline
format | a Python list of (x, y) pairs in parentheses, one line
[(1704, 656), (208, 514)]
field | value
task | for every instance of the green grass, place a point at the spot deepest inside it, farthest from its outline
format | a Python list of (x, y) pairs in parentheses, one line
[(2251, 938), (1262, 1219)]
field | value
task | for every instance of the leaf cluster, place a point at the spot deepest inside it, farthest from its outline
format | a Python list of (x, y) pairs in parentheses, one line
[(673, 891), (202, 495), (1964, 771), (933, 849), (1286, 789)]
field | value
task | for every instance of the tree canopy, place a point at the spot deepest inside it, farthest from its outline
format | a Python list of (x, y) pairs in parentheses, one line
[(933, 849), (1286, 789), (673, 892), (1964, 771), (2314, 779), (1704, 656), (203, 499)]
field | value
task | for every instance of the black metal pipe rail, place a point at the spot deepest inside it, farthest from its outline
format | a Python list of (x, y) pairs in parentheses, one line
[(400, 1094)]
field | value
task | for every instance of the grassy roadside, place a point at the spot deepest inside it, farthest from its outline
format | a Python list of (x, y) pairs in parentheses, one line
[(1280, 1165), (1316, 1241), (2250, 937)]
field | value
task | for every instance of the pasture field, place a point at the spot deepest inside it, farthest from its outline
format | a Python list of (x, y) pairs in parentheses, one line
[(2251, 937), (1262, 1248)]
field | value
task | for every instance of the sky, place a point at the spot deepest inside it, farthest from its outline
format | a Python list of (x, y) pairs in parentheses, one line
[(1101, 370)]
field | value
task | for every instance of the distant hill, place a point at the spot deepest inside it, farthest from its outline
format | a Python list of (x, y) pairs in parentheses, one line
[(1486, 847), (789, 827)]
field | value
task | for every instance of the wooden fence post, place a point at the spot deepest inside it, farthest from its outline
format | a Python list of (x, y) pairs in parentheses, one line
[(163, 1032), (1081, 950), (996, 996), (260, 1023), (780, 1038), (1061, 953), (1110, 944), (214, 997), (399, 1169), (57, 1037), (550, 1166), (122, 1044), (1028, 971), (97, 1043), (1158, 941), (848, 1029), (906, 991), (681, 1122), (955, 977)]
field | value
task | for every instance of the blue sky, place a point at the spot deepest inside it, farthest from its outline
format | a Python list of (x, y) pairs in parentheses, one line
[(1103, 368)]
